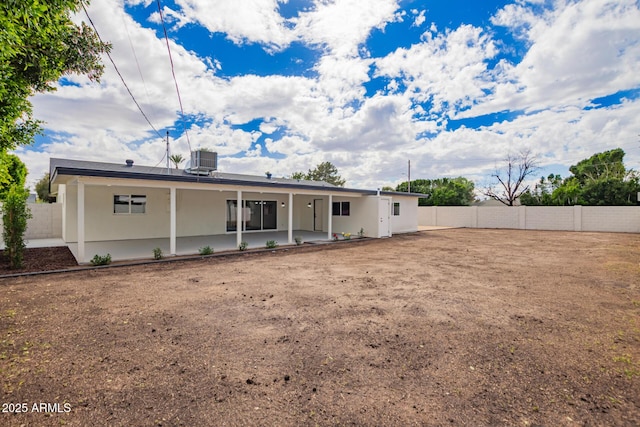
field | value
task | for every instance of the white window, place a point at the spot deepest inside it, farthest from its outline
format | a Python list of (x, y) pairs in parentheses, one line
[(129, 204), (396, 209)]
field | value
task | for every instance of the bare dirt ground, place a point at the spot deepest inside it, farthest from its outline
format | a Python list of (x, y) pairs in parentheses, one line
[(450, 327)]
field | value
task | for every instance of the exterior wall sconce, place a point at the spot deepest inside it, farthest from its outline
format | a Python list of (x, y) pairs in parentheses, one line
[(282, 204), (309, 204)]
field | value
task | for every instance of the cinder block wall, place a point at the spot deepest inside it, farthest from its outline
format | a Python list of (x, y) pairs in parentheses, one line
[(46, 221), (624, 219)]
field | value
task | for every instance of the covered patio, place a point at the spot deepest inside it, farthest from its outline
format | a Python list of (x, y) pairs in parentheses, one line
[(143, 248)]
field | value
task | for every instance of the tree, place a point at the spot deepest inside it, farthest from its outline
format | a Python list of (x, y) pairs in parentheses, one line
[(12, 172), (39, 43), (603, 180), (325, 171), (176, 159), (299, 175), (42, 188), (605, 165), (542, 193), (518, 168), (442, 191), (600, 179)]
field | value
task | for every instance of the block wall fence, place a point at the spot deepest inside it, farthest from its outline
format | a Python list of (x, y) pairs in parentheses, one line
[(622, 219), (46, 221)]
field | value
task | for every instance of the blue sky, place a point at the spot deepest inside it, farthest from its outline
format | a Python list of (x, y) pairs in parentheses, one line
[(280, 86)]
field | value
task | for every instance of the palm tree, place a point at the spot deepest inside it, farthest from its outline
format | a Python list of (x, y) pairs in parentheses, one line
[(176, 159)]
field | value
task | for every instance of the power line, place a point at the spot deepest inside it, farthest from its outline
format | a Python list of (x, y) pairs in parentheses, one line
[(119, 74), (135, 56), (173, 73)]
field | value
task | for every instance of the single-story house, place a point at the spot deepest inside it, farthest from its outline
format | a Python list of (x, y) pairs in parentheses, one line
[(113, 208)]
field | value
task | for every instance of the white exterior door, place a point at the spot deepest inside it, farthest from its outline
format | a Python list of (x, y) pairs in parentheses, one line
[(318, 210), (384, 212)]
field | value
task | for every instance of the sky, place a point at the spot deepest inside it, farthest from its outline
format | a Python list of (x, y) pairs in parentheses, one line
[(452, 86)]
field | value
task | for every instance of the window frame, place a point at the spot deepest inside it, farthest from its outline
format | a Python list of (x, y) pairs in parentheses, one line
[(266, 208), (396, 208), (341, 209), (130, 202)]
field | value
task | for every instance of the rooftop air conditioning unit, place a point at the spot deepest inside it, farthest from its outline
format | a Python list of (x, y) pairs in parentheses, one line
[(203, 162)]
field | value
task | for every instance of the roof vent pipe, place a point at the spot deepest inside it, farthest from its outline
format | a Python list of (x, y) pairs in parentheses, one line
[(129, 162)]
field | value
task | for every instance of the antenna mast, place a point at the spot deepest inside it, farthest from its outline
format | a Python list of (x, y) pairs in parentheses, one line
[(168, 153)]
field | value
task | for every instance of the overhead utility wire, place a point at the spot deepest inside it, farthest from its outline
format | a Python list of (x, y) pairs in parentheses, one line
[(173, 72), (135, 56), (119, 74)]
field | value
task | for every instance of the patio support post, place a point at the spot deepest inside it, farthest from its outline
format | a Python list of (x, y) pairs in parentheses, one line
[(290, 218), (172, 220), (329, 218), (80, 221), (239, 218)]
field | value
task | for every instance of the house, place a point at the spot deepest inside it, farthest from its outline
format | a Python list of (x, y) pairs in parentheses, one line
[(127, 210)]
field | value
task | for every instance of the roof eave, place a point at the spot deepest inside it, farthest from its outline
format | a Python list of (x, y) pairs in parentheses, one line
[(71, 171)]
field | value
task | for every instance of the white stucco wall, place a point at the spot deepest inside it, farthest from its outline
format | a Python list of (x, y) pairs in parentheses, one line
[(407, 221), (358, 211)]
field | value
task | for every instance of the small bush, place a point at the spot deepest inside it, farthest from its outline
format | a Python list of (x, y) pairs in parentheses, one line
[(101, 260), (157, 253), (15, 214), (243, 246), (298, 240), (361, 232), (207, 250), (271, 244)]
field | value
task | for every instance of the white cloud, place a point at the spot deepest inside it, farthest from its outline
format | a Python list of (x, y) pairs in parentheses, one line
[(447, 70), (243, 21), (420, 18), (332, 23), (578, 51)]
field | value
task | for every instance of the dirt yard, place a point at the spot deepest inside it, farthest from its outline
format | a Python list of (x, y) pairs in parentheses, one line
[(449, 327)]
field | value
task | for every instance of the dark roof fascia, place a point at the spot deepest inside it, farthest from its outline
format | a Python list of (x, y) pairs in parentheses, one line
[(402, 193), (72, 171)]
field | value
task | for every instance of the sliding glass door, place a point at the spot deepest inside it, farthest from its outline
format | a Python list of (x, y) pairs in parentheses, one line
[(256, 215)]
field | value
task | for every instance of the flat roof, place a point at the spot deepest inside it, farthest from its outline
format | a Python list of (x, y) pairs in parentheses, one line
[(67, 167)]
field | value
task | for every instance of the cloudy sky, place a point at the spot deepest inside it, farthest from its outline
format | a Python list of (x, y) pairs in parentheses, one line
[(282, 85)]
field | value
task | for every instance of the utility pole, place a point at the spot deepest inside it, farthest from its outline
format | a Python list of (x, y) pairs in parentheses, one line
[(409, 182), (168, 154)]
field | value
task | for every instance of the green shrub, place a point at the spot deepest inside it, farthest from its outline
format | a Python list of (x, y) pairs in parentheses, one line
[(157, 253), (298, 240), (243, 246), (15, 214), (101, 260), (271, 244), (207, 250)]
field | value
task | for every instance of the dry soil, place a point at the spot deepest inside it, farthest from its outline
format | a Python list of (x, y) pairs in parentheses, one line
[(449, 327)]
